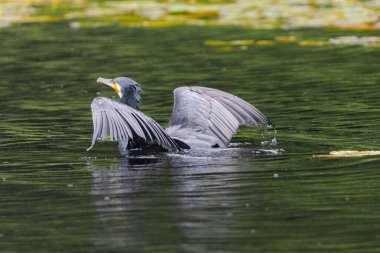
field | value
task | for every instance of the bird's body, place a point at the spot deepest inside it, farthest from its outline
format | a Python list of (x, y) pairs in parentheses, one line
[(201, 118)]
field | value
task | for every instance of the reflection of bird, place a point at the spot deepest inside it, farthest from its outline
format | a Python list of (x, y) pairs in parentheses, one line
[(202, 118)]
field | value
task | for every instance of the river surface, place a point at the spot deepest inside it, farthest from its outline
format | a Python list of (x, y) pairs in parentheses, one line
[(56, 197)]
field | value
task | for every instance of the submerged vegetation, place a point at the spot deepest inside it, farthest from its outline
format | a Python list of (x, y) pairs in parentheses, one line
[(347, 14)]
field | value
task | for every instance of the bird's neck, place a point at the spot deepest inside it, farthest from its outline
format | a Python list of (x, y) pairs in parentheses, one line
[(131, 101)]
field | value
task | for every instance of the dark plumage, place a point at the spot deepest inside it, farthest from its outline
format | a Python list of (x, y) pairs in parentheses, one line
[(202, 118)]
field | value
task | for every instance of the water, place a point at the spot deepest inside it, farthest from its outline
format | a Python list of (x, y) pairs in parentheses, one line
[(56, 197)]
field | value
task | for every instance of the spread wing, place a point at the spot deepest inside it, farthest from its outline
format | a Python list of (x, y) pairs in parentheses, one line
[(210, 112), (120, 122)]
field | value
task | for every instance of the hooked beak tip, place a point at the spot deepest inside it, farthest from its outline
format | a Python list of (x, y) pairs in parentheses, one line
[(105, 81)]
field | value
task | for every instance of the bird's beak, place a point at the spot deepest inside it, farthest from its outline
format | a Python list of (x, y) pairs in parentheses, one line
[(105, 81), (110, 83)]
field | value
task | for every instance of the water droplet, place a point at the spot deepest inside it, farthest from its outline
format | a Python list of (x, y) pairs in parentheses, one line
[(70, 185), (275, 175)]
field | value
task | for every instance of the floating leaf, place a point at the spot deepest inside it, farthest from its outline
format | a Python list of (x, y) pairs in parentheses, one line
[(286, 39), (354, 40), (242, 42), (217, 43), (312, 43), (349, 153)]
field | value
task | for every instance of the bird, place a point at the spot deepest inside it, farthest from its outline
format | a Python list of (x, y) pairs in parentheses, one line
[(202, 117)]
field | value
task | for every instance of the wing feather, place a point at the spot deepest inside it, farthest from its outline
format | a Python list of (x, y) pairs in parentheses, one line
[(104, 125), (96, 122), (127, 123), (120, 122), (200, 111), (115, 120), (144, 129)]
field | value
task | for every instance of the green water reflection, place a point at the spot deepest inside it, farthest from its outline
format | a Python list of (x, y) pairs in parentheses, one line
[(56, 197)]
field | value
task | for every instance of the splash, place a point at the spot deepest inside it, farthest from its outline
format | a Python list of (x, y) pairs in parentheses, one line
[(269, 146)]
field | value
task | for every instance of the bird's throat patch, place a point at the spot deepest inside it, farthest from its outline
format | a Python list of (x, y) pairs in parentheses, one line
[(116, 88)]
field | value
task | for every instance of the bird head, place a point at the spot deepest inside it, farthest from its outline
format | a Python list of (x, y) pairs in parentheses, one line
[(128, 90)]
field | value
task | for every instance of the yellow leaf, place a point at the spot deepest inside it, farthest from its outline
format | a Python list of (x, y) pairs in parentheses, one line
[(217, 43), (312, 43), (285, 39), (349, 153)]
